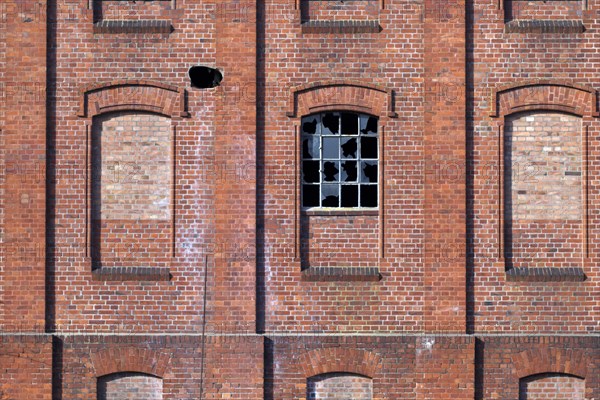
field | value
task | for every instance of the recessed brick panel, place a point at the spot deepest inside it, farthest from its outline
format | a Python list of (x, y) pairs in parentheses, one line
[(339, 241), (339, 386), (129, 386), (524, 9), (543, 181), (340, 11), (132, 174), (552, 387)]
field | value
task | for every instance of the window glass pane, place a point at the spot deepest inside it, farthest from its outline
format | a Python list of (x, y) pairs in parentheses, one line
[(349, 147), (331, 170), (368, 125), (368, 171), (331, 147), (310, 171), (310, 124), (349, 124), (310, 147), (330, 195), (350, 196), (368, 147), (349, 171), (331, 124), (310, 196), (368, 195)]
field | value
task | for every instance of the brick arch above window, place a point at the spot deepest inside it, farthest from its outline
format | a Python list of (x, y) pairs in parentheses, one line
[(133, 95), (130, 359), (555, 360), (323, 361), (341, 95), (544, 95)]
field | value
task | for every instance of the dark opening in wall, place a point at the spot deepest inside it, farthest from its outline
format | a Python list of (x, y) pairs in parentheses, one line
[(205, 77)]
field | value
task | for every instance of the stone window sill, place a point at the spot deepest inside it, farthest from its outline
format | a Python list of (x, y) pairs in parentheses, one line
[(544, 26), (337, 274), (139, 274), (113, 26), (341, 27), (524, 274)]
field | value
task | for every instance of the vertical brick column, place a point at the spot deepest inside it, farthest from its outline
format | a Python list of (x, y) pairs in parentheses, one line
[(444, 138), (24, 151), (232, 296)]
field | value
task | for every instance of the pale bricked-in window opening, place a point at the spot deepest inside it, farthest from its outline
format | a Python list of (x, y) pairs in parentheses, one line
[(339, 386), (551, 387), (543, 190), (340, 160), (129, 386), (131, 189)]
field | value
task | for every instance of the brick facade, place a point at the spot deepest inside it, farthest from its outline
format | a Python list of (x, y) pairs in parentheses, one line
[(154, 239)]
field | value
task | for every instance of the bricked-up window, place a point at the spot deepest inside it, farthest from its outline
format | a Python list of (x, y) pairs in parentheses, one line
[(132, 177), (339, 386), (340, 164), (129, 386), (543, 189), (551, 386)]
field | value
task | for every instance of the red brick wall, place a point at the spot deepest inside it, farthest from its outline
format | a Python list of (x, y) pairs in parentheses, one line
[(26, 364), (551, 387), (129, 386), (500, 61), (509, 364)]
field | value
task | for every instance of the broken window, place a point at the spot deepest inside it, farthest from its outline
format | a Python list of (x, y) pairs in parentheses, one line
[(340, 166)]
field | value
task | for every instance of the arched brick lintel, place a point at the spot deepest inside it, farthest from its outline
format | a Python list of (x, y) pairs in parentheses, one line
[(341, 95), (322, 361), (554, 360), (139, 95), (544, 95), (130, 359)]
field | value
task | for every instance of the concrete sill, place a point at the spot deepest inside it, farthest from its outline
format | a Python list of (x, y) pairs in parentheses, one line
[(337, 274), (524, 274), (341, 27), (544, 26), (139, 274)]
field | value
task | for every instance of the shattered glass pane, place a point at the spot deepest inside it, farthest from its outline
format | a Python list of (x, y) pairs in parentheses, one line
[(349, 147), (368, 125), (331, 124), (331, 147), (330, 171), (310, 147), (350, 196), (368, 195), (368, 172), (310, 124), (368, 147), (349, 171), (330, 195), (310, 195), (349, 124), (310, 171)]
